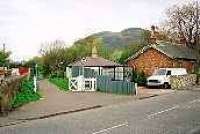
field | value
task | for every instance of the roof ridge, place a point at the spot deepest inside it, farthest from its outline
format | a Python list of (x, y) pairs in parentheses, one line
[(173, 51)]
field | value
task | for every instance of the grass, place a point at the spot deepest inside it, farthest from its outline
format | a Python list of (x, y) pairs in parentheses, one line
[(61, 83), (26, 94)]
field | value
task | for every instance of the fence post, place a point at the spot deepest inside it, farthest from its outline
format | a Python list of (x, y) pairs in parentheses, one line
[(136, 89), (35, 83)]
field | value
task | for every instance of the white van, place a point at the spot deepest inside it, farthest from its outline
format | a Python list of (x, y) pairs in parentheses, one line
[(161, 76)]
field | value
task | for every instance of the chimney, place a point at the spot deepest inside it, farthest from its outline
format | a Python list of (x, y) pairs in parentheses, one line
[(94, 52), (153, 36)]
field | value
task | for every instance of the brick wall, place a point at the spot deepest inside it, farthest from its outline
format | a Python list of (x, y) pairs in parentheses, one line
[(152, 59)]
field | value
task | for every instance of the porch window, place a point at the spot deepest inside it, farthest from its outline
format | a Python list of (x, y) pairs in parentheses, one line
[(119, 73)]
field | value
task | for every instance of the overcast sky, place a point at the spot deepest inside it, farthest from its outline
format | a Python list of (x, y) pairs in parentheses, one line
[(25, 24)]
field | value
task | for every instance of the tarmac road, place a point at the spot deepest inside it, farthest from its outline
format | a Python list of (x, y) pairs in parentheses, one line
[(175, 113)]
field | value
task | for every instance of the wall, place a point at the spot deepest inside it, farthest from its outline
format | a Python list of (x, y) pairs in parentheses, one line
[(153, 59), (8, 89), (183, 82)]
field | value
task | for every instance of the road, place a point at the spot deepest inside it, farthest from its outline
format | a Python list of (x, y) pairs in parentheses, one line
[(175, 113)]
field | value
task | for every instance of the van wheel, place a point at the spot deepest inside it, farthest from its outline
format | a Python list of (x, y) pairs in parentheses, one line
[(166, 85)]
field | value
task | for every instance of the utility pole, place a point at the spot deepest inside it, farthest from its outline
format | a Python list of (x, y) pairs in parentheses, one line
[(4, 47)]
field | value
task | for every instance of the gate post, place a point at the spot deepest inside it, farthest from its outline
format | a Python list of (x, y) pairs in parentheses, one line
[(136, 89)]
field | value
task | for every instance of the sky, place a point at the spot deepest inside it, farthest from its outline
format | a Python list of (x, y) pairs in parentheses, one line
[(26, 24)]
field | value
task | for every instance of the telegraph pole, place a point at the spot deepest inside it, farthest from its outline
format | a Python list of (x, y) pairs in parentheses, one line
[(4, 47)]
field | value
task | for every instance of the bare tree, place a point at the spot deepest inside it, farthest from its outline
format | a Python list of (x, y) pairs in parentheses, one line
[(184, 20)]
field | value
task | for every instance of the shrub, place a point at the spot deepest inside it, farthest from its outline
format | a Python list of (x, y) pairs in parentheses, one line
[(26, 94), (139, 77), (197, 72)]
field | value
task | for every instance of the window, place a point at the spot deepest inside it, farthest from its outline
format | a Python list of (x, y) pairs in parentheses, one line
[(119, 73), (169, 72), (88, 85), (160, 72)]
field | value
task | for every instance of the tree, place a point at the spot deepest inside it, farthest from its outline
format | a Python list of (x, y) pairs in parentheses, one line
[(32, 62), (127, 52), (184, 21), (87, 44), (4, 58), (145, 37), (53, 57), (56, 56)]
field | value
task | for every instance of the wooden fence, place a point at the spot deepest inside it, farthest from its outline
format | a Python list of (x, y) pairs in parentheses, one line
[(105, 84)]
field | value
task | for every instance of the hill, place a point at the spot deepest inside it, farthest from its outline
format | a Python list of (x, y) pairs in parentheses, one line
[(121, 39)]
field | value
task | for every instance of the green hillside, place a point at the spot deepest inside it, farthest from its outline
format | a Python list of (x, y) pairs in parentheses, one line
[(121, 39)]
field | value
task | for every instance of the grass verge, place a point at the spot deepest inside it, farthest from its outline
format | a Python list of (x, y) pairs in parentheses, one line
[(61, 83), (26, 94)]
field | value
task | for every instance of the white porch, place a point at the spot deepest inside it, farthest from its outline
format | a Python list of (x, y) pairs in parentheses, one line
[(82, 84), (85, 78)]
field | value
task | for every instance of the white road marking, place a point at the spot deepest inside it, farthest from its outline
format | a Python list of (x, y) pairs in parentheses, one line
[(191, 103), (163, 111), (172, 108), (194, 101), (110, 128)]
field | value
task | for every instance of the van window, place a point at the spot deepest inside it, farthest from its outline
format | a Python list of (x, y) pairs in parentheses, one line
[(169, 72), (160, 72)]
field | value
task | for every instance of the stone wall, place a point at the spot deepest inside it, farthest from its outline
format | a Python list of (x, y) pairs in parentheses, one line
[(8, 88), (183, 82)]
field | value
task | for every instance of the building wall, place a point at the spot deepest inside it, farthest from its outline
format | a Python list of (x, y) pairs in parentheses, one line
[(153, 59)]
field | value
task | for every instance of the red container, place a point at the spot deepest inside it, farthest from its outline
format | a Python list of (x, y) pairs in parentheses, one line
[(23, 71)]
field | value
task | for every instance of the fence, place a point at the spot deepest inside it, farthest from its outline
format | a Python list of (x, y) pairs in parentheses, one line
[(105, 84)]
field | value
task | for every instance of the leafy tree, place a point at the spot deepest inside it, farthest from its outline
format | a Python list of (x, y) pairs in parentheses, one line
[(4, 58), (53, 57), (145, 37), (32, 64), (127, 52), (85, 46)]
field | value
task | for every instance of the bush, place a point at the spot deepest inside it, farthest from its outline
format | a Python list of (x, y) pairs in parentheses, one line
[(26, 94), (61, 83), (197, 72), (139, 77)]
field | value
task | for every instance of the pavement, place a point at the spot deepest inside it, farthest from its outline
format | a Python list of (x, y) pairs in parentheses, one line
[(55, 102), (174, 113)]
